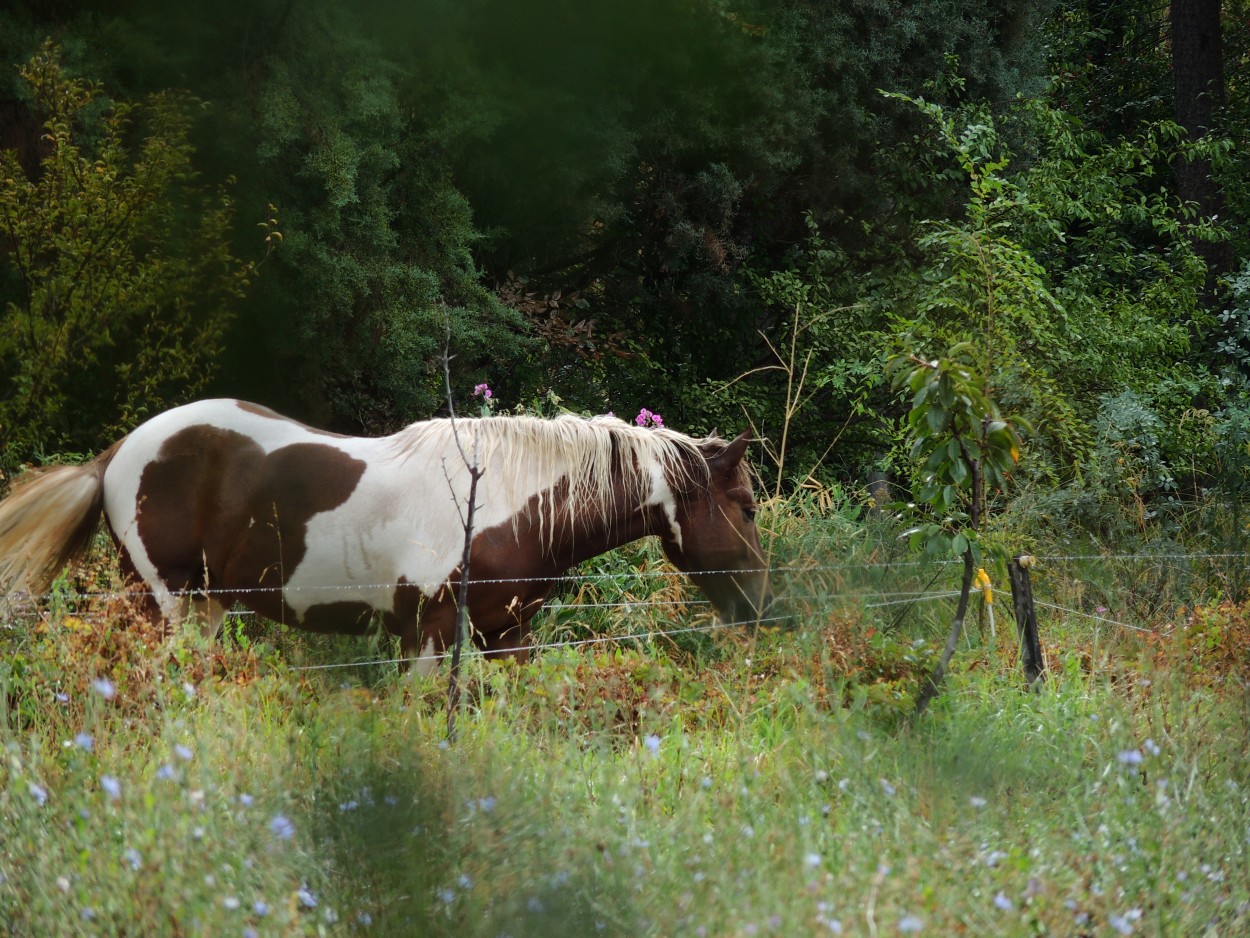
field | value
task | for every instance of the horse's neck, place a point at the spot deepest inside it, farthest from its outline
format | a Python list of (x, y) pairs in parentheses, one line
[(595, 533)]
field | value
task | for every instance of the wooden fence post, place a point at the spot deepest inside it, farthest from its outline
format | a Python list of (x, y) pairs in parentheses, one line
[(1026, 618)]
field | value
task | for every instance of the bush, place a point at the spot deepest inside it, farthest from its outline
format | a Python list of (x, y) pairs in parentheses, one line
[(116, 276)]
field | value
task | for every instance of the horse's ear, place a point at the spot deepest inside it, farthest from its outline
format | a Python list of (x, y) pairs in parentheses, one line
[(729, 457)]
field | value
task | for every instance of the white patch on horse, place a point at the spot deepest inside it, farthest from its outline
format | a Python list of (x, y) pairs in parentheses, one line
[(662, 495), (426, 662), (404, 521)]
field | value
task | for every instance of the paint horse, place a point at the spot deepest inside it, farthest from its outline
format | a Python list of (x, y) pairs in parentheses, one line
[(222, 502)]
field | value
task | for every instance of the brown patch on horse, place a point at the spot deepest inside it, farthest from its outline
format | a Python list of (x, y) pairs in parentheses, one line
[(515, 565), (247, 508), (346, 617)]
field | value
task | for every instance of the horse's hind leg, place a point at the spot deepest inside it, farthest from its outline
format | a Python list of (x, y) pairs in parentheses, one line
[(205, 611), (170, 603)]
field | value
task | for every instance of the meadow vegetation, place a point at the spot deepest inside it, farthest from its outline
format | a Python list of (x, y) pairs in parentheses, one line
[(711, 782)]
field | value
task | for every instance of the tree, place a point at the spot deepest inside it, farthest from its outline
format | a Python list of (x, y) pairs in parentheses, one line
[(967, 446), (1198, 73), (116, 277)]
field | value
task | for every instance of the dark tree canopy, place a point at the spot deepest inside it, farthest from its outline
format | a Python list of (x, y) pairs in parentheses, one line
[(635, 205)]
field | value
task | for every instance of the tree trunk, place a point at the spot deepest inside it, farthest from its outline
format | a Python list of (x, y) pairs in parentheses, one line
[(1198, 75)]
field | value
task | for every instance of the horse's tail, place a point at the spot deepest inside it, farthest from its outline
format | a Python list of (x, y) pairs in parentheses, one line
[(47, 522)]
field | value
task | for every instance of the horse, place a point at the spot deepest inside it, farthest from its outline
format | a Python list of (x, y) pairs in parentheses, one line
[(224, 502)]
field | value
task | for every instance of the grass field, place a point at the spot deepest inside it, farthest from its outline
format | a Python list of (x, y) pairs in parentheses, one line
[(722, 784)]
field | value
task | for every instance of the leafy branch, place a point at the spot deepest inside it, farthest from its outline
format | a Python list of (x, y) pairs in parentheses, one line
[(964, 446)]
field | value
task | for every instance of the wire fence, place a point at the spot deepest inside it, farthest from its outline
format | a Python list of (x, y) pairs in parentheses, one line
[(572, 579), (816, 577)]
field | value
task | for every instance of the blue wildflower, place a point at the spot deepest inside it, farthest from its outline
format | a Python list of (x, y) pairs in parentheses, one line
[(111, 787), (281, 827)]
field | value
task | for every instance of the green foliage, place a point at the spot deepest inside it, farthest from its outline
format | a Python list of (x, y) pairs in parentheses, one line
[(981, 284), (117, 279), (825, 375), (957, 433), (1074, 274), (377, 262), (675, 146)]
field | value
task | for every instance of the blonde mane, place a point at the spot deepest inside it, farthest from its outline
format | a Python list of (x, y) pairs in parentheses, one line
[(602, 458)]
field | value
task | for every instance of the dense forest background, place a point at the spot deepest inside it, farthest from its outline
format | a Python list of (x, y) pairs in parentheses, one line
[(727, 213)]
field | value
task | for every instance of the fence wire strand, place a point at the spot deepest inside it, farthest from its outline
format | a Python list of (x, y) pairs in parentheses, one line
[(883, 599)]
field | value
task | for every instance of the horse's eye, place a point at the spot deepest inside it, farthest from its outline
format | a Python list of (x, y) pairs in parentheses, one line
[(750, 512)]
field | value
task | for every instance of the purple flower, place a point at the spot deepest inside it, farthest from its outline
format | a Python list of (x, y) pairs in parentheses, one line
[(306, 897), (281, 827), (84, 741), (1130, 757), (133, 858), (183, 753), (652, 742), (104, 687), (111, 787), (38, 792), (1002, 903), (483, 391), (1121, 924), (646, 418)]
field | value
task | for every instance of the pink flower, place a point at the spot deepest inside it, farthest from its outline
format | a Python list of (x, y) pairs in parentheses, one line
[(646, 418), (483, 391)]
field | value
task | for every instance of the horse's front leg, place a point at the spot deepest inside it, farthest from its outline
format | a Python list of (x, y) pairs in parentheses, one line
[(515, 639), (513, 642), (425, 637)]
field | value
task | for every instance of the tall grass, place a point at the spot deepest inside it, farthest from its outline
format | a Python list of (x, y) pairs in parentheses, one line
[(749, 784)]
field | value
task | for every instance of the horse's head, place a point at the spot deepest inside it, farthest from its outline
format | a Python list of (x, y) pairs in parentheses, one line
[(717, 544)]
